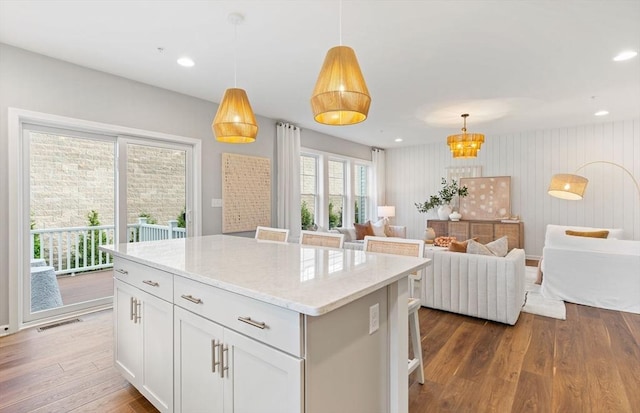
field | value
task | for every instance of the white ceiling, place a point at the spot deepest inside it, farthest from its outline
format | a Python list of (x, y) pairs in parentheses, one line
[(512, 65)]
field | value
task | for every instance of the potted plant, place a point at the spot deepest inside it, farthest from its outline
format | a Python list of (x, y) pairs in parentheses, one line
[(443, 199)]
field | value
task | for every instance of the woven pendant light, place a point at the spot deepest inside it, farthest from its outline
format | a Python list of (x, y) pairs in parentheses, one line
[(234, 121), (465, 145)]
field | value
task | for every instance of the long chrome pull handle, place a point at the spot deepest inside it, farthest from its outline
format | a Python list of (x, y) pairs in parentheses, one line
[(151, 283), (131, 305), (121, 271), (191, 298), (214, 350), (259, 324), (223, 366), (137, 312)]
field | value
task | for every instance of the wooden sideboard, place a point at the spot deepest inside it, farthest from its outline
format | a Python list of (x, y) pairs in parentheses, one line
[(485, 231)]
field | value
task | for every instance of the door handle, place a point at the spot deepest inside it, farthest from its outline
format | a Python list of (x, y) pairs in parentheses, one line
[(121, 271), (192, 299), (222, 349), (131, 305), (214, 350), (259, 324), (151, 283)]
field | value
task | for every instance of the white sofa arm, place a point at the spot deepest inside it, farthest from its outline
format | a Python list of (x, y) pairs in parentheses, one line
[(477, 285)]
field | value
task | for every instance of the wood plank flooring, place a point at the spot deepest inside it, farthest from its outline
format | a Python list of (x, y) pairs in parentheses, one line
[(588, 363), (86, 286)]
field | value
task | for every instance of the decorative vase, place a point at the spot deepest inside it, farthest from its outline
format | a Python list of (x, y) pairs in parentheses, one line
[(444, 211), (455, 216), (429, 235)]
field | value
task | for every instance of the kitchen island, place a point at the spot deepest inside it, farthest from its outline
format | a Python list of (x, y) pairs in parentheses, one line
[(232, 324)]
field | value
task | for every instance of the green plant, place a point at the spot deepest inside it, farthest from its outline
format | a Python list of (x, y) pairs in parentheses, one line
[(150, 219), (335, 218), (94, 239), (36, 239), (182, 222), (306, 217), (444, 197)]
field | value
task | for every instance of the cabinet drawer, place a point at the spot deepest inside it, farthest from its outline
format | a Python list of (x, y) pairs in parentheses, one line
[(151, 280), (281, 329)]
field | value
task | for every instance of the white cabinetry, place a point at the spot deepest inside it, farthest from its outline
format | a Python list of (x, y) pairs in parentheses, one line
[(219, 370), (144, 333)]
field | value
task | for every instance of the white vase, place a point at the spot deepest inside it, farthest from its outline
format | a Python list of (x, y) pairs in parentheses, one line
[(455, 216), (444, 211), (429, 235)]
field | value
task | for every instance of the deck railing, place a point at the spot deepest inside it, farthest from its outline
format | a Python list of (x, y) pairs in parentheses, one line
[(76, 249)]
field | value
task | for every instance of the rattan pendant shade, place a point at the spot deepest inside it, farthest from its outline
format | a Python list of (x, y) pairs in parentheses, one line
[(465, 145), (340, 96), (235, 122)]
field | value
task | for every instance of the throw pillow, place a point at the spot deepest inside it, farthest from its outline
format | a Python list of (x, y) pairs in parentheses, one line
[(362, 230), (460, 246), (591, 234), (347, 234), (497, 248), (379, 228)]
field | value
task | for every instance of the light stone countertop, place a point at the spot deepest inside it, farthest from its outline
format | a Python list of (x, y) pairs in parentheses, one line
[(309, 280)]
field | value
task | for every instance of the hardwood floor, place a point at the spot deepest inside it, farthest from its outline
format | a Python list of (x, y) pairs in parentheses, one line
[(588, 363)]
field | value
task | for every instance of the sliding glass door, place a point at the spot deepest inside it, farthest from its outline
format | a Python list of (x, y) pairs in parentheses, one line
[(84, 190)]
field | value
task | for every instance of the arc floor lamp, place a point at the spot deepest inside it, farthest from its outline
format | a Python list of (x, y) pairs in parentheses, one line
[(572, 186)]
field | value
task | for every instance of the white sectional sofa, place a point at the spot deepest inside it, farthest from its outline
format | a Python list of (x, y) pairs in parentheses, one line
[(481, 286), (350, 242), (599, 272)]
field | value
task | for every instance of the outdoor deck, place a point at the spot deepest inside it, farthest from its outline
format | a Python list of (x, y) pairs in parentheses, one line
[(85, 287)]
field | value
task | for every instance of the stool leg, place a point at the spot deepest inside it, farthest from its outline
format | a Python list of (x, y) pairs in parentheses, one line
[(414, 328)]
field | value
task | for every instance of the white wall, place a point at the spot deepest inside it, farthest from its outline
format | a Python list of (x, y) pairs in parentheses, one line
[(531, 158), (38, 83)]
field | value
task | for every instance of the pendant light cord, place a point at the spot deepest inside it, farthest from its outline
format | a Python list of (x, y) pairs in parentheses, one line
[(235, 55), (340, 20)]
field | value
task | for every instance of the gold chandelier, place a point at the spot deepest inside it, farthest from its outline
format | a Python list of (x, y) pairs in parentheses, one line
[(234, 121), (340, 96), (465, 145)]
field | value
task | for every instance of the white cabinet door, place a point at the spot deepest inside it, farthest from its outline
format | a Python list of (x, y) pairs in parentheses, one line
[(260, 378), (157, 350), (128, 334), (198, 385), (144, 343)]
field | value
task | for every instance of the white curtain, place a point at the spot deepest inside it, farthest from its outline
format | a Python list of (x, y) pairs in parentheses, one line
[(288, 158), (379, 190)]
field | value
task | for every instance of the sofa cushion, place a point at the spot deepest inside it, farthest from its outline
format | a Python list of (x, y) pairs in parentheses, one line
[(362, 230), (349, 233), (379, 228), (460, 246), (497, 248), (592, 234)]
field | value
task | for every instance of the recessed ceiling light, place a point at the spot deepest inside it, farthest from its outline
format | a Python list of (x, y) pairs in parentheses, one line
[(601, 113), (626, 55), (398, 139), (186, 62)]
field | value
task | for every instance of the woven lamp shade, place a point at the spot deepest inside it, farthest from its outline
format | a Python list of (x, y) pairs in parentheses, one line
[(235, 122), (341, 96), (568, 186)]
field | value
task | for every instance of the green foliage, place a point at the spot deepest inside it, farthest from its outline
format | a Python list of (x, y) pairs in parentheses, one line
[(94, 239), (444, 197), (182, 218), (150, 219), (357, 215), (306, 218), (36, 239), (335, 218)]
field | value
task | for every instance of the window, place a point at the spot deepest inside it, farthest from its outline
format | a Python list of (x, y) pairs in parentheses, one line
[(336, 193), (335, 190), (361, 192), (308, 190)]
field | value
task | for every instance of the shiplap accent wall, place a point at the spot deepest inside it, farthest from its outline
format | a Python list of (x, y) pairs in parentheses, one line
[(531, 158)]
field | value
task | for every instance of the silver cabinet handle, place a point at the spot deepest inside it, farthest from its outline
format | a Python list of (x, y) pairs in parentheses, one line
[(151, 283), (221, 351), (121, 271), (191, 298), (131, 305), (214, 350), (248, 320), (136, 315)]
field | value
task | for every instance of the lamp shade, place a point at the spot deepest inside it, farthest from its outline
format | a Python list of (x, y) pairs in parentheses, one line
[(465, 145), (340, 96), (568, 186), (386, 211), (235, 122)]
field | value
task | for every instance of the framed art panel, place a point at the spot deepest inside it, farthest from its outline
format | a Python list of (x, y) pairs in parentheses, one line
[(489, 198), (246, 192)]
